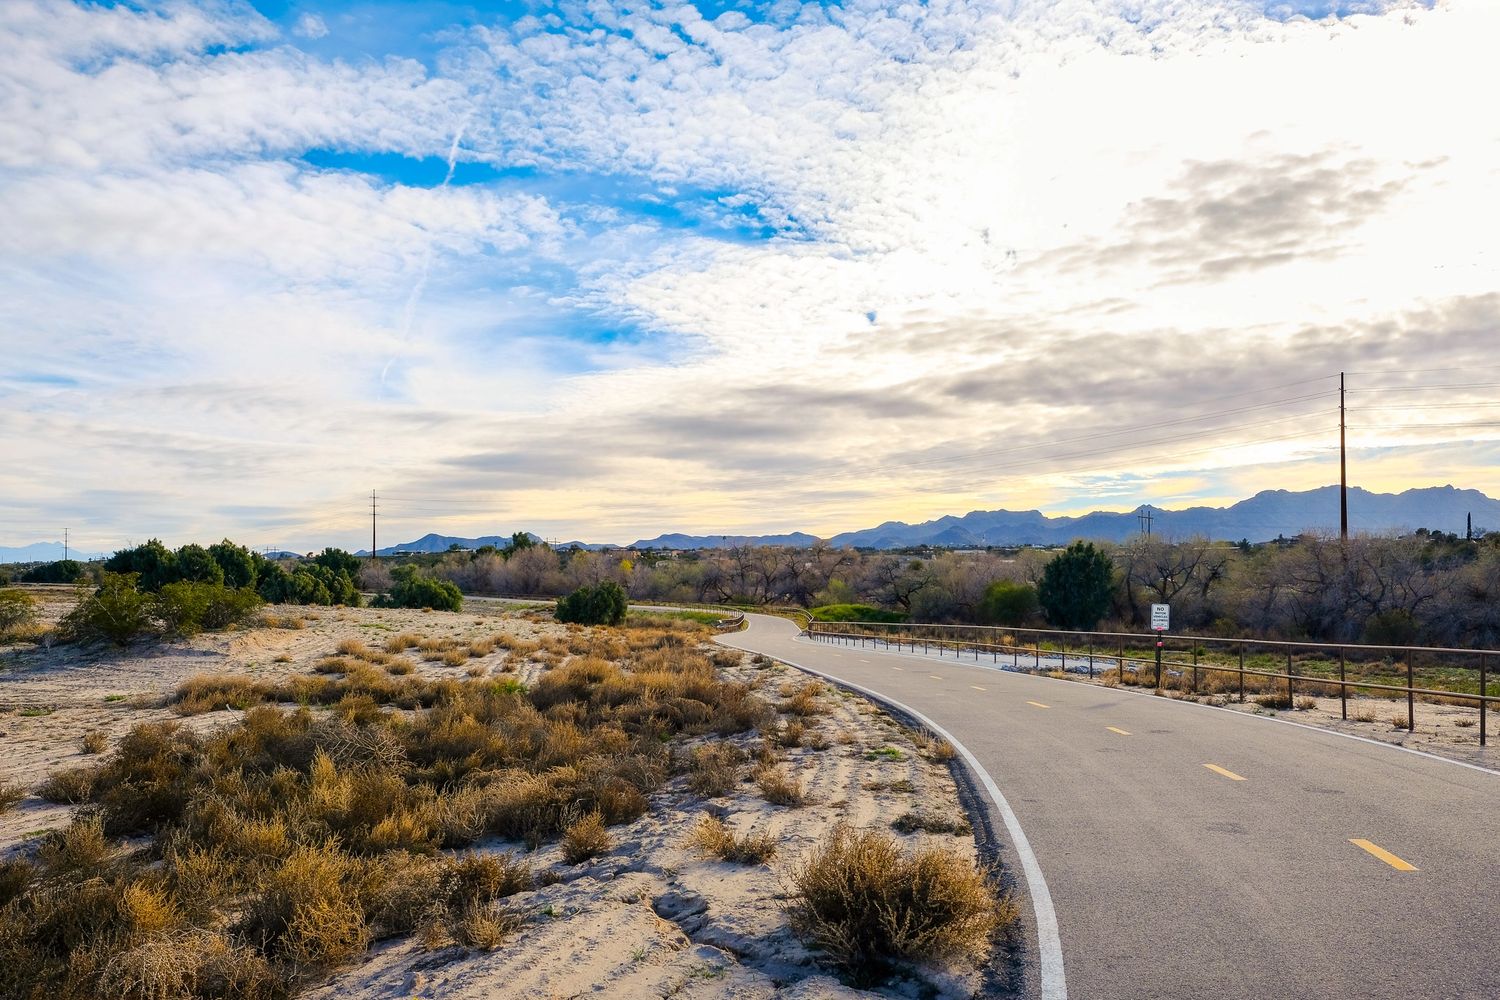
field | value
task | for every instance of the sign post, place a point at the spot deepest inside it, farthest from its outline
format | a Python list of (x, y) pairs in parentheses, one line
[(1161, 620)]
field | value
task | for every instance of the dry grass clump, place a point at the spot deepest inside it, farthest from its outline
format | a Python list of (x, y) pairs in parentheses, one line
[(866, 903), (353, 647), (294, 622), (1276, 702), (714, 836), (585, 839), (715, 769), (481, 647), (215, 692), (791, 733), (1304, 704), (779, 788), (399, 666), (805, 699), (94, 741), (11, 793), (910, 822), (401, 643), (455, 658), (70, 786)]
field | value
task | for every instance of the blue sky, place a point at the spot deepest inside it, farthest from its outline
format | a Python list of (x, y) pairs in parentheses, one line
[(603, 270)]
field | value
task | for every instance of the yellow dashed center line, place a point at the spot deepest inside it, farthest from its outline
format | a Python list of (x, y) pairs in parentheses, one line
[(864, 661), (1038, 704), (1384, 855), (1114, 730), (976, 687), (1216, 769), (935, 677), (898, 668)]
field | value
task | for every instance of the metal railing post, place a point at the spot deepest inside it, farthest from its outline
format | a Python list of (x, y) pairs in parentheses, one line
[(1242, 674), (1091, 659), (1038, 662), (1411, 695), (1195, 668), (1289, 678), (1484, 677), (1343, 689)]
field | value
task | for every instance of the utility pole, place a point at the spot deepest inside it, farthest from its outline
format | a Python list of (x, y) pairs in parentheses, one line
[(1343, 470), (374, 552), (65, 544), (1145, 517)]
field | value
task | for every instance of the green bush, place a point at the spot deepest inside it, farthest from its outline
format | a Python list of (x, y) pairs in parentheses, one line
[(236, 563), (1006, 602), (196, 565), (409, 589), (62, 571), (187, 608), (603, 604), (309, 583), (854, 613), (116, 612)]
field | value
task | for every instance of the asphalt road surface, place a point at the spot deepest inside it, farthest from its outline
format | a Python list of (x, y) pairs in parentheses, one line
[(1193, 852)]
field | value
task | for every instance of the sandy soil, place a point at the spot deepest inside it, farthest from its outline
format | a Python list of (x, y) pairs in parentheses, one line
[(653, 916)]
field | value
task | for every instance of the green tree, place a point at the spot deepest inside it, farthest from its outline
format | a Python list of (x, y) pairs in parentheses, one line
[(196, 565), (338, 561), (153, 563), (1077, 587), (17, 611), (520, 541), (604, 604), (236, 562)]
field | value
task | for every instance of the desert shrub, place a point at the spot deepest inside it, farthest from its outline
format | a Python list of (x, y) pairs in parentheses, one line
[(94, 741), (306, 911), (585, 839), (910, 822), (715, 769), (779, 788), (714, 836), (216, 692), (865, 903), (411, 589), (69, 786), (1279, 702), (602, 604), (152, 564), (307, 583), (854, 613), (805, 699), (1006, 602), (115, 612), (17, 611), (79, 847), (61, 571), (401, 643), (11, 792)]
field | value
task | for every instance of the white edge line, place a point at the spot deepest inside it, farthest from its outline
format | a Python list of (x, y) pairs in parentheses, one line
[(1196, 704), (1049, 941)]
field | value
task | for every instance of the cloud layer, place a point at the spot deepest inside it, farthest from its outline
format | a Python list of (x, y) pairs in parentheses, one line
[(619, 269)]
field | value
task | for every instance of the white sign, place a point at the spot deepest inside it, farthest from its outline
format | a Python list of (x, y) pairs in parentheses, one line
[(1161, 617)]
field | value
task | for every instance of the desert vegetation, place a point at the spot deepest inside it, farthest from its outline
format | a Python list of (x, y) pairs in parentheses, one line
[(352, 805)]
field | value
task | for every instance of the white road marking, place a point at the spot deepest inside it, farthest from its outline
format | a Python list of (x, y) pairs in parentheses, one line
[(1049, 940)]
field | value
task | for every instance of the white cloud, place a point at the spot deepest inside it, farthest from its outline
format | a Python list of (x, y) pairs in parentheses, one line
[(310, 26), (1064, 218)]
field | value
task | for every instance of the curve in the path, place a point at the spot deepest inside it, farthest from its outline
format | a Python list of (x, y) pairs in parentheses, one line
[(1188, 852)]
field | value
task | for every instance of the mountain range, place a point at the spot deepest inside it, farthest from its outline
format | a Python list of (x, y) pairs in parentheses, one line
[(1265, 516)]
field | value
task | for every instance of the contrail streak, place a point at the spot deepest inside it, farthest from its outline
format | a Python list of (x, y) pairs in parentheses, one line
[(409, 311)]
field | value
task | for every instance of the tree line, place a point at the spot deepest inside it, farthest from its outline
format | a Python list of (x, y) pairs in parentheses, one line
[(1425, 587)]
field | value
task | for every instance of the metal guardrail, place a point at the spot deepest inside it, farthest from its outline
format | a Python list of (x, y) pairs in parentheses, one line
[(1122, 649), (731, 624)]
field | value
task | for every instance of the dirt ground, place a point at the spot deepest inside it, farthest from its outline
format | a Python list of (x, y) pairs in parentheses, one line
[(654, 916)]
